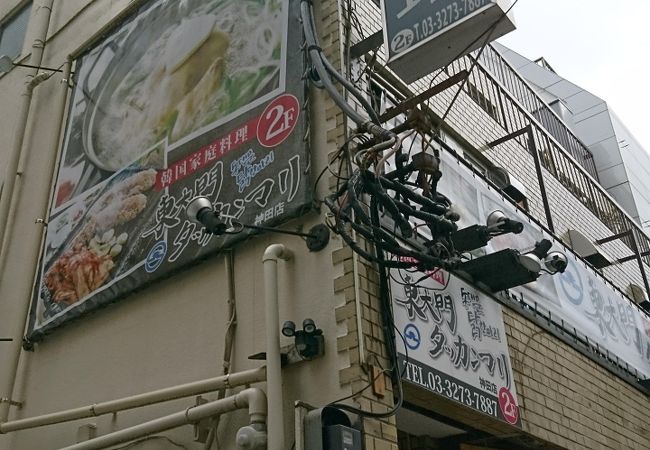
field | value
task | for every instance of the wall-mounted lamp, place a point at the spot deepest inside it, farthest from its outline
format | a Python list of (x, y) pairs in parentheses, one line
[(509, 268), (309, 341), (201, 211), (477, 236), (6, 64)]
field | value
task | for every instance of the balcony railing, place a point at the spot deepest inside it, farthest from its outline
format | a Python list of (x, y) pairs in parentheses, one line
[(496, 64), (507, 98)]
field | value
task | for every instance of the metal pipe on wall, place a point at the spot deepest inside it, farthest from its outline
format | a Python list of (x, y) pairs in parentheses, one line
[(161, 395), (272, 255), (8, 198), (41, 26), (253, 399)]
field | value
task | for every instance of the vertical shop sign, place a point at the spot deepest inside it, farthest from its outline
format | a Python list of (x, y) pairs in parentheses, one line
[(454, 342)]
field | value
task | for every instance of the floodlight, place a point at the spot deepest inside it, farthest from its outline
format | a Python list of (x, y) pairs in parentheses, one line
[(289, 328), (309, 326), (498, 222), (555, 262), (502, 270), (200, 210), (531, 262)]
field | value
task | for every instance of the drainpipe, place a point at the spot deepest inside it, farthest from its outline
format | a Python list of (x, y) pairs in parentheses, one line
[(272, 254), (33, 79), (41, 25), (253, 399)]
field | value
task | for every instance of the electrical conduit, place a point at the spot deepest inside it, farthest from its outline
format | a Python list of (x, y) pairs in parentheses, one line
[(32, 79), (252, 398), (161, 395), (272, 255)]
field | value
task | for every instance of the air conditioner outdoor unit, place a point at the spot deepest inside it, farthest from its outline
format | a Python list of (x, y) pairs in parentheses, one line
[(637, 293), (510, 186), (583, 247)]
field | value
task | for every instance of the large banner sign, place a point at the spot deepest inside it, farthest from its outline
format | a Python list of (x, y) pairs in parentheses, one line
[(580, 298), (454, 342), (184, 99)]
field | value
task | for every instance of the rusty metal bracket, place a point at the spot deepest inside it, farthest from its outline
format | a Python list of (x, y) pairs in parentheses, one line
[(372, 42), (415, 101), (202, 427), (11, 402)]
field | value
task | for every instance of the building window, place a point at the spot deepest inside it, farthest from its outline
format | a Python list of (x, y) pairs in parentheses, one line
[(482, 101), (12, 32)]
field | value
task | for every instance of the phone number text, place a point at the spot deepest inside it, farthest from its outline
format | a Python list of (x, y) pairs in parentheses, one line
[(442, 385), (445, 17)]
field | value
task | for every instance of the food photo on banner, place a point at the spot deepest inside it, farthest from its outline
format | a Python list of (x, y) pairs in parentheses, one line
[(182, 99)]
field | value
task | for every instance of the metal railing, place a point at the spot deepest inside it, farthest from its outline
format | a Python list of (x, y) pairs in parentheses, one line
[(496, 64), (508, 100)]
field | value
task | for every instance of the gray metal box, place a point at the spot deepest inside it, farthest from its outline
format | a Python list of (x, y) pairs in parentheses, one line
[(424, 35), (340, 437)]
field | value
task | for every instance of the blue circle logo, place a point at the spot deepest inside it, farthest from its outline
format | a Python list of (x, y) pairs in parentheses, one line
[(156, 256), (412, 336), (572, 284)]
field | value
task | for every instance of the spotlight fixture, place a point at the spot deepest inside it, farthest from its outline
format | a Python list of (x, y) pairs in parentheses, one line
[(498, 222), (201, 211), (289, 329), (509, 268), (477, 236), (555, 262), (309, 326), (309, 341)]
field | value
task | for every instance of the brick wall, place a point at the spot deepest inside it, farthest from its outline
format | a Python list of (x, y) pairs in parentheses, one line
[(360, 293), (567, 400)]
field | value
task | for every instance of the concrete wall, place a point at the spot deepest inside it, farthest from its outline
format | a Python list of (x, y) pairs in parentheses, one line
[(172, 332)]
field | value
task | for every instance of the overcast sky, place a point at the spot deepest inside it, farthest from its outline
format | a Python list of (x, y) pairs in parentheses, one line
[(602, 46)]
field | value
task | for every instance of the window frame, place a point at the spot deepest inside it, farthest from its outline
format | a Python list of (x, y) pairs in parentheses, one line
[(10, 18)]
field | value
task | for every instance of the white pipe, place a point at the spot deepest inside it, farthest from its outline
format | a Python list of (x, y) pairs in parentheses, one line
[(253, 399), (272, 254), (41, 25), (161, 395)]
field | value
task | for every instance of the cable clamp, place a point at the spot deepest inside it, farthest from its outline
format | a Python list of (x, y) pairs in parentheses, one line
[(11, 402)]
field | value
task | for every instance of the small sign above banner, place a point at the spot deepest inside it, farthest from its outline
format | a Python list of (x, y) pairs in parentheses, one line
[(424, 35)]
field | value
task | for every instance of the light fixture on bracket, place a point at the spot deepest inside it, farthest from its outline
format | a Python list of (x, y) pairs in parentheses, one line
[(201, 211), (477, 236), (6, 64), (309, 341), (509, 268)]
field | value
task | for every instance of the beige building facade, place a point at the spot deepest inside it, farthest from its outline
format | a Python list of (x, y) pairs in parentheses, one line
[(208, 314)]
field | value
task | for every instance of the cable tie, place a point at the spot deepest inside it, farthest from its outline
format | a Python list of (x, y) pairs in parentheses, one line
[(314, 47)]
